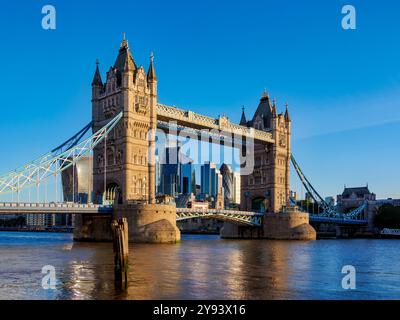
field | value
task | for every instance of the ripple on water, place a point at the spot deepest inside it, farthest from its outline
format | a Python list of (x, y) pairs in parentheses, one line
[(199, 267)]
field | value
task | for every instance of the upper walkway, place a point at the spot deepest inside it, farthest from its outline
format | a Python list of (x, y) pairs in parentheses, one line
[(194, 120)]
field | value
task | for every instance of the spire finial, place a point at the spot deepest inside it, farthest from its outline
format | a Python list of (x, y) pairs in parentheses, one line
[(151, 74), (265, 93), (124, 43), (274, 101), (287, 117), (243, 121), (97, 77)]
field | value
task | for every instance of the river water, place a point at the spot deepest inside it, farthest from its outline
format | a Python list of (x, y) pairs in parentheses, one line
[(199, 267)]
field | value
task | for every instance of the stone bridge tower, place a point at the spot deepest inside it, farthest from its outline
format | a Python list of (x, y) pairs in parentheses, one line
[(267, 188), (124, 163), (122, 169)]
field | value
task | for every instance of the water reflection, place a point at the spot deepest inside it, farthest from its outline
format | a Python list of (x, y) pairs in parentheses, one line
[(200, 267)]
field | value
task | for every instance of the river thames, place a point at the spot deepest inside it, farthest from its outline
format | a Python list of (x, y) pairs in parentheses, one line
[(199, 267)]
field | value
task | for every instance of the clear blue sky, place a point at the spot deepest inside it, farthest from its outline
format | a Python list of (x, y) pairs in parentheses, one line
[(343, 87)]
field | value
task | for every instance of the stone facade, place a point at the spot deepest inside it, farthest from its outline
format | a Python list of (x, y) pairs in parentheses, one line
[(150, 223), (267, 188), (124, 163), (123, 158)]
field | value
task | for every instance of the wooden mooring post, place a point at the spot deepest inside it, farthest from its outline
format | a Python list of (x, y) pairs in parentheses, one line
[(121, 251)]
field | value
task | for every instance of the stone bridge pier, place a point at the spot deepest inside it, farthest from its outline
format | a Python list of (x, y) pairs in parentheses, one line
[(147, 223), (150, 223), (289, 224)]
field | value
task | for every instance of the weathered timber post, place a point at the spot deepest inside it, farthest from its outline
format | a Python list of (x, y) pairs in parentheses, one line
[(121, 252)]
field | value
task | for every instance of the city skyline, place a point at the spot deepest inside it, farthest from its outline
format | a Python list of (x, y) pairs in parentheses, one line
[(344, 120)]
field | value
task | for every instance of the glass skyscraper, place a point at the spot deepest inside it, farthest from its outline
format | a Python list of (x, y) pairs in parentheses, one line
[(211, 180), (187, 179)]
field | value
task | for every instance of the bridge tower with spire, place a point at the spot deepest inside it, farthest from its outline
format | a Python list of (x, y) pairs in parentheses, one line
[(124, 162), (122, 168), (267, 188)]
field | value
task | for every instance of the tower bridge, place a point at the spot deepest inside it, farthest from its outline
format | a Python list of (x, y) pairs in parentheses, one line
[(125, 116)]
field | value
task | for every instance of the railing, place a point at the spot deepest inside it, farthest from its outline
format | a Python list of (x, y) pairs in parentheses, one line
[(14, 207), (249, 213), (324, 219), (239, 217)]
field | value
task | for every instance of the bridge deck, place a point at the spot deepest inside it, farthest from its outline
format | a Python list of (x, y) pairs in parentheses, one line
[(40, 208), (342, 221), (241, 217)]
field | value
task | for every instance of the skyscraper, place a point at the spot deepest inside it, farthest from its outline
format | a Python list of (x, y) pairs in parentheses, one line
[(208, 179), (227, 183), (176, 173), (187, 179), (211, 180), (236, 187), (169, 172), (77, 181)]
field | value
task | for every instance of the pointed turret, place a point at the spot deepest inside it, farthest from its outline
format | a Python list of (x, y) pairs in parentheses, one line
[(264, 108), (129, 65), (243, 121), (274, 113), (264, 111), (287, 116), (97, 77), (151, 73), (124, 61)]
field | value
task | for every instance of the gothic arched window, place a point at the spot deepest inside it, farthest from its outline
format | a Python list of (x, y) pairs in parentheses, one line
[(119, 157), (144, 187), (110, 157)]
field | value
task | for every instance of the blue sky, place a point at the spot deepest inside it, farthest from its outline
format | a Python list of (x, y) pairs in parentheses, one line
[(342, 86)]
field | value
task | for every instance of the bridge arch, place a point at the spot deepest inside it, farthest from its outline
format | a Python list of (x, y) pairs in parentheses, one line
[(259, 204), (113, 194), (236, 217)]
